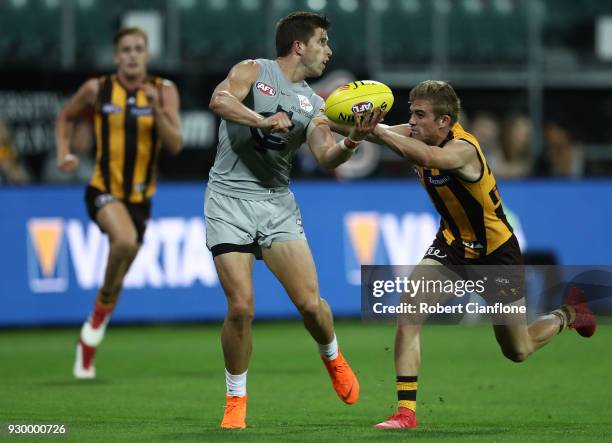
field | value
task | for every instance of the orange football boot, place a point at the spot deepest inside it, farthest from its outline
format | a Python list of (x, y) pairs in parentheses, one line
[(343, 379), (234, 416)]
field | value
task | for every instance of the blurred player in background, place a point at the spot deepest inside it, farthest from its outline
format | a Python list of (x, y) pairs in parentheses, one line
[(267, 112), (135, 114), (12, 170), (473, 231)]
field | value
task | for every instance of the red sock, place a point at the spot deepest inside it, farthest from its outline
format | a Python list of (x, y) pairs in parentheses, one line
[(88, 354), (99, 314)]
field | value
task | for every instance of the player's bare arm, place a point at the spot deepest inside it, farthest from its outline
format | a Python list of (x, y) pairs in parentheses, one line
[(403, 129), (455, 155), (330, 153), (166, 111), (227, 98), (83, 99)]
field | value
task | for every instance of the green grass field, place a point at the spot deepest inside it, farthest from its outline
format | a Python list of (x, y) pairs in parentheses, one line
[(166, 383)]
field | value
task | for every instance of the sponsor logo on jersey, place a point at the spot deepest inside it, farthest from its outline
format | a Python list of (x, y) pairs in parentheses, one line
[(103, 200), (141, 111), (435, 252), (265, 89), (473, 244), (305, 103), (439, 180)]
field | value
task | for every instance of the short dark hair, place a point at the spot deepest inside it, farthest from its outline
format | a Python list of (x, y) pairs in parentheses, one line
[(133, 30), (299, 26), (442, 96)]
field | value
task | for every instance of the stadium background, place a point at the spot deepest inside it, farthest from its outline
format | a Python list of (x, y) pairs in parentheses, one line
[(533, 76)]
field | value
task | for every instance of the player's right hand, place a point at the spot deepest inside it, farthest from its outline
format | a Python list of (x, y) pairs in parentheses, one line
[(365, 123), (279, 122), (68, 163)]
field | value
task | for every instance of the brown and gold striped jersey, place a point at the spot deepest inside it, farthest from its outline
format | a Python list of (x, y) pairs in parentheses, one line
[(127, 146), (472, 216)]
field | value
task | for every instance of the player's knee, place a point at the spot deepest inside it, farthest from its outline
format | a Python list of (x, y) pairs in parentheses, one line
[(310, 307), (515, 354), (240, 312), (124, 246)]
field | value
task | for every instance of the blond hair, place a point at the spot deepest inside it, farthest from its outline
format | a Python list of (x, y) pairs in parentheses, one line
[(442, 96), (134, 30)]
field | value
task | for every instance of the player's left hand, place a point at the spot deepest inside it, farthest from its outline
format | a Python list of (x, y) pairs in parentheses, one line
[(152, 94), (365, 123), (67, 163)]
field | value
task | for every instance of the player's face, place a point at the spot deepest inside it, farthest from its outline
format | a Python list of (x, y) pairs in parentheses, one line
[(317, 53), (425, 125), (132, 55)]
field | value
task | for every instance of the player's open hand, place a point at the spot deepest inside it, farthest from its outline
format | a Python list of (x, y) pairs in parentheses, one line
[(68, 163), (365, 123), (279, 122)]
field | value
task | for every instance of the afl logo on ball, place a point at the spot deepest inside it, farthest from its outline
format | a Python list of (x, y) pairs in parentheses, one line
[(265, 88), (361, 107)]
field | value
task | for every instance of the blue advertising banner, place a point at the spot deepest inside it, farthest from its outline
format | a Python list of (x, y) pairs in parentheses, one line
[(53, 258)]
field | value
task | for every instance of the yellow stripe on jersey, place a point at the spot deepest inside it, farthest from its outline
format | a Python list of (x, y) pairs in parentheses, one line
[(97, 181), (116, 128), (144, 151)]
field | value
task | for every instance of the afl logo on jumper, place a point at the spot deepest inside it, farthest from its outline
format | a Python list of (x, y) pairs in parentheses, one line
[(110, 108), (265, 88)]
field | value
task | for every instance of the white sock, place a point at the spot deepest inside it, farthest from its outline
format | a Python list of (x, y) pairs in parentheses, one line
[(330, 350), (236, 384)]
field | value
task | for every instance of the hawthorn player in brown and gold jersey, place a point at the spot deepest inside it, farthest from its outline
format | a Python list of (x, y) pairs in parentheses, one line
[(135, 115), (127, 145), (473, 222), (473, 231)]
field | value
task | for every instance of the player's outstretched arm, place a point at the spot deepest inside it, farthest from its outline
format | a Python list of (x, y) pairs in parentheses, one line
[(330, 154), (227, 98), (455, 154), (403, 129), (166, 111), (84, 98)]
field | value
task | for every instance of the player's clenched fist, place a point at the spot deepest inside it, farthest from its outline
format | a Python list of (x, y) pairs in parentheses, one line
[(279, 122), (67, 163)]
